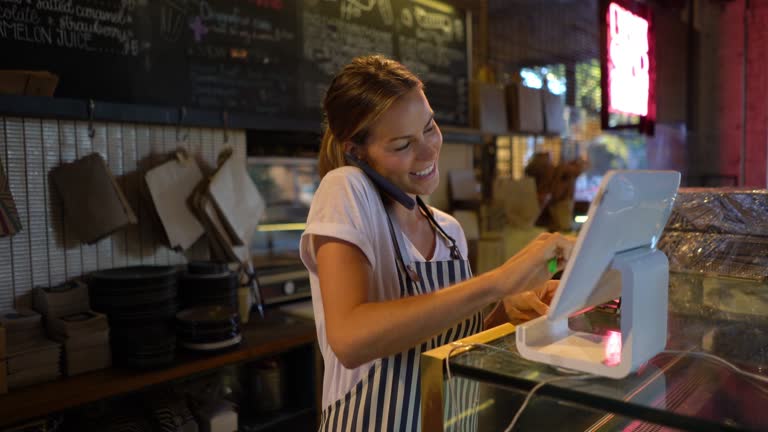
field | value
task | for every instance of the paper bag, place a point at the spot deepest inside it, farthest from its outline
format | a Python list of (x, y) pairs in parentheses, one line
[(237, 199), (93, 202), (518, 197), (170, 185)]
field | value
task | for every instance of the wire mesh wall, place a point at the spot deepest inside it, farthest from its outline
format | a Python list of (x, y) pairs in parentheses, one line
[(524, 33), (47, 250), (554, 45)]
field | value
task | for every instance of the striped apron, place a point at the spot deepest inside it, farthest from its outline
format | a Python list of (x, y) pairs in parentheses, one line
[(388, 398)]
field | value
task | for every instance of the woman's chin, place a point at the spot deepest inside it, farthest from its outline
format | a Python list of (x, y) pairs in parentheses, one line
[(426, 187)]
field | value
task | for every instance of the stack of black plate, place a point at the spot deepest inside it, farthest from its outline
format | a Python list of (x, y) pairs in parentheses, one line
[(208, 328), (146, 346), (140, 303), (206, 284)]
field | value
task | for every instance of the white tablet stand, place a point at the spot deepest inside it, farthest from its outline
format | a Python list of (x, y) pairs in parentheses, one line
[(614, 256), (644, 277)]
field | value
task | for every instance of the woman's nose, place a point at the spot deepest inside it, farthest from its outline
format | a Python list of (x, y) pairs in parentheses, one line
[(428, 148)]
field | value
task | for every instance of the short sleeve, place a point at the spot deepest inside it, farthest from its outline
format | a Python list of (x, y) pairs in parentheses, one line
[(461, 241), (343, 208)]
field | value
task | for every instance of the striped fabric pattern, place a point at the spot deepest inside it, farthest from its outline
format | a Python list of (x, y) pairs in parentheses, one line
[(9, 217), (389, 397)]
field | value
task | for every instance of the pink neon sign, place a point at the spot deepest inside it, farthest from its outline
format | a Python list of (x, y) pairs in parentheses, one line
[(628, 62)]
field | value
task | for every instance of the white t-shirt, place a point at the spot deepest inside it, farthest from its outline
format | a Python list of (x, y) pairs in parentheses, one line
[(347, 206)]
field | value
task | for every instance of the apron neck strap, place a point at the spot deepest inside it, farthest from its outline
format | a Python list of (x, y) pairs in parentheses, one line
[(400, 252), (403, 258), (450, 241)]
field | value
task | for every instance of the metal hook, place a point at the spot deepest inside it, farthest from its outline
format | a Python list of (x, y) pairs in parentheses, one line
[(225, 120), (182, 117), (91, 110)]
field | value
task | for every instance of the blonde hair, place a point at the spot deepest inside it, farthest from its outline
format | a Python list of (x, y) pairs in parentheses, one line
[(357, 96)]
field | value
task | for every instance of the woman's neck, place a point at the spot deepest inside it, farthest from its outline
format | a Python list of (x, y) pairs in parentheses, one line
[(417, 229), (408, 218)]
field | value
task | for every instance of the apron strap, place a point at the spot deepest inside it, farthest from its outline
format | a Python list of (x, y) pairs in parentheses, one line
[(451, 242), (397, 239), (399, 242)]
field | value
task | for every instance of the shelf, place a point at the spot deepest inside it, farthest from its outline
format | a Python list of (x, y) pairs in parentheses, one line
[(457, 134), (274, 334), (78, 109)]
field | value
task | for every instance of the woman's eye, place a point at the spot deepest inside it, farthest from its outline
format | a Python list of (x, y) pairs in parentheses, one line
[(403, 147), (430, 128)]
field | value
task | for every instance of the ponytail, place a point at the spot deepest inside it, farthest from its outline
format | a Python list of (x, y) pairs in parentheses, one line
[(331, 154)]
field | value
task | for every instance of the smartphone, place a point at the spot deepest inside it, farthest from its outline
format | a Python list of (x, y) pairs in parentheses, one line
[(384, 185)]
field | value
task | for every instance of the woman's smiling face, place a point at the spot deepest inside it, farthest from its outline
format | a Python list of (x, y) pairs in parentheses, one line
[(404, 145)]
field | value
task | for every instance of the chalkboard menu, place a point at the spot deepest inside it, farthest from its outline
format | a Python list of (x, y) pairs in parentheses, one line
[(272, 58)]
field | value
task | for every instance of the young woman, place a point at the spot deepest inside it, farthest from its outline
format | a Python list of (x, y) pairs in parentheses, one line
[(389, 282)]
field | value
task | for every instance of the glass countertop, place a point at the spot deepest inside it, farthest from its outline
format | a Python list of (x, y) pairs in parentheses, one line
[(676, 388)]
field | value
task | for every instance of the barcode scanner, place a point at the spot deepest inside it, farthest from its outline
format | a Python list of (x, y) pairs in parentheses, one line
[(383, 184)]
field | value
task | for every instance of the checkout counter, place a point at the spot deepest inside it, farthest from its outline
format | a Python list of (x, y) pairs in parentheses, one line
[(674, 391), (710, 376)]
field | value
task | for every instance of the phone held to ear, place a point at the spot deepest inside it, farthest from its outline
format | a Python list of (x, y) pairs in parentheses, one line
[(384, 185)]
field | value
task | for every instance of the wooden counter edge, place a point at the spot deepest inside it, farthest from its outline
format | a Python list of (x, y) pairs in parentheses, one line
[(432, 379)]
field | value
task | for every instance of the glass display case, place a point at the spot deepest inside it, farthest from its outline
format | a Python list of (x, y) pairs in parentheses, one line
[(288, 185), (711, 377)]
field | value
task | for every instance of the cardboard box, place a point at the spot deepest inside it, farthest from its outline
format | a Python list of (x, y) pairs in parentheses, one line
[(65, 299), (87, 323), (525, 109), (22, 327), (554, 120), (489, 108)]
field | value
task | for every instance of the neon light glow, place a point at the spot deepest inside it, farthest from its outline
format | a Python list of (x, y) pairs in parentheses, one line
[(612, 348), (628, 61)]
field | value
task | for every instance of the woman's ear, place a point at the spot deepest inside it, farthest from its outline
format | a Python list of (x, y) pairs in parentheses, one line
[(354, 150)]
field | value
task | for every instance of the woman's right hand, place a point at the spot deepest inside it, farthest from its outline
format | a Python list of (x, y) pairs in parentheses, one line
[(528, 268)]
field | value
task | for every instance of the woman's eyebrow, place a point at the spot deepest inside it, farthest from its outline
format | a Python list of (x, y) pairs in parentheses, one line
[(431, 117)]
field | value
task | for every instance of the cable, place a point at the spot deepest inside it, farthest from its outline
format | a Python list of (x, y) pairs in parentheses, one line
[(536, 388), (721, 360), (451, 396), (466, 346), (449, 377)]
